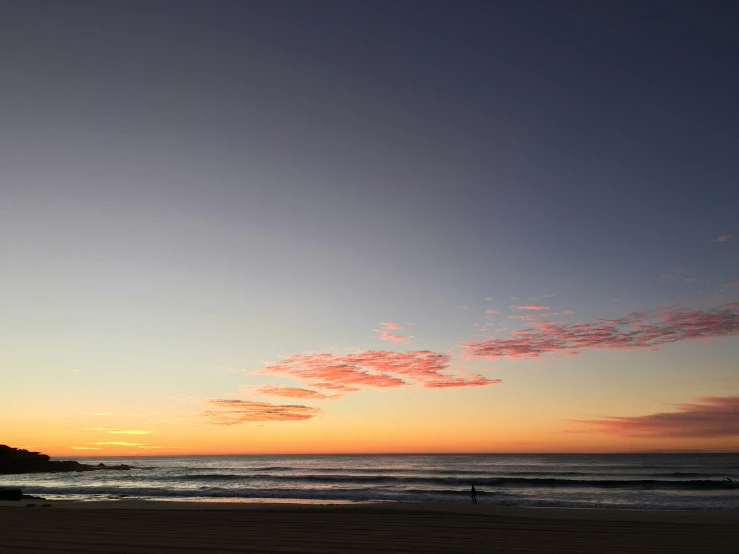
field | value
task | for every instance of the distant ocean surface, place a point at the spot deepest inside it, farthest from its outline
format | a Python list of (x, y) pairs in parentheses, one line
[(628, 481)]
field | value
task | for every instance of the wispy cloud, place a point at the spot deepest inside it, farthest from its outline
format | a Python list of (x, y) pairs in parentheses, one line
[(713, 416), (117, 443), (384, 335), (528, 317), (461, 307), (467, 381), (291, 392), (532, 307), (489, 298), (632, 331), (113, 414), (120, 431), (86, 448), (233, 412), (722, 238), (370, 368), (491, 312), (678, 274)]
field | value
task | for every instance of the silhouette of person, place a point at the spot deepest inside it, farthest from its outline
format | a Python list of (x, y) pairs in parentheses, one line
[(473, 495)]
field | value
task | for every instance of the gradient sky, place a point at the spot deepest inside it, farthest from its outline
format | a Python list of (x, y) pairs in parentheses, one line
[(369, 226)]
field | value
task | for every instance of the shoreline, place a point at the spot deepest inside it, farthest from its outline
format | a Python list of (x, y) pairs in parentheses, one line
[(603, 514)]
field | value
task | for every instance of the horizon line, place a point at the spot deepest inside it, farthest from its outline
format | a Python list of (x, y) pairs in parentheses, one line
[(419, 454)]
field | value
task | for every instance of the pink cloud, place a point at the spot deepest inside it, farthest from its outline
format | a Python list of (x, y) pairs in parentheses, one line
[(370, 368), (632, 331), (490, 312), (713, 416), (290, 392), (567, 312), (471, 381), (461, 307), (489, 298), (390, 326), (722, 238), (531, 307), (384, 335), (234, 412)]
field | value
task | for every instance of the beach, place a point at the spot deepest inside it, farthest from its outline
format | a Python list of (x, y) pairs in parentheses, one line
[(137, 526)]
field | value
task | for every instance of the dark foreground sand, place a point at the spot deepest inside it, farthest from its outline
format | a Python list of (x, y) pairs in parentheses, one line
[(153, 527)]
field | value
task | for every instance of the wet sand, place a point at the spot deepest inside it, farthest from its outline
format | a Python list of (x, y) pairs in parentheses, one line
[(190, 527)]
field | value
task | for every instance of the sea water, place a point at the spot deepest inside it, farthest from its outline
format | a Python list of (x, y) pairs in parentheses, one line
[(626, 481)]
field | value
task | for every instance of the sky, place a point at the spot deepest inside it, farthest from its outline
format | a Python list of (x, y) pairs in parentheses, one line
[(370, 226)]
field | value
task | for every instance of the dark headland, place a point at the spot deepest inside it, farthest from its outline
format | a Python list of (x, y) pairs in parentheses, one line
[(17, 460)]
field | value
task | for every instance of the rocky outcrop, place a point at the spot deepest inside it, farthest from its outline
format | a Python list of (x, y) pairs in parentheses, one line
[(17, 460), (7, 493)]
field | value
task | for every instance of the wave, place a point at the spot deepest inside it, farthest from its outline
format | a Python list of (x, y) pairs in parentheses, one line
[(695, 484), (683, 474), (272, 468), (360, 494), (431, 472), (372, 494), (460, 483)]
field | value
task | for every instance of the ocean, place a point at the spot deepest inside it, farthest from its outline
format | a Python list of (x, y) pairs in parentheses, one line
[(618, 481)]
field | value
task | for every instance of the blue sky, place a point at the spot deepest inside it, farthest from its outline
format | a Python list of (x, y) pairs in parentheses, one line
[(189, 187)]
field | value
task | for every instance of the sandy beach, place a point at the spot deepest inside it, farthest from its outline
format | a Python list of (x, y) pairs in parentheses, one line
[(149, 527)]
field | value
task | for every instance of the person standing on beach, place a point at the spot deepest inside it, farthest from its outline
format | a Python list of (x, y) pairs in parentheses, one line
[(473, 495)]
